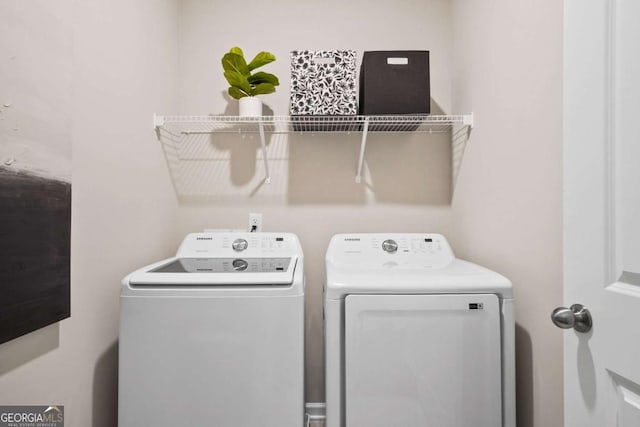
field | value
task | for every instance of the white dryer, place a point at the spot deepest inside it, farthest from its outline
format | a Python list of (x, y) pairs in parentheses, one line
[(215, 335), (414, 336)]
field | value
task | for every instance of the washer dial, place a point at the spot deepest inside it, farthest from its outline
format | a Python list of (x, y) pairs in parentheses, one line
[(390, 246), (239, 245)]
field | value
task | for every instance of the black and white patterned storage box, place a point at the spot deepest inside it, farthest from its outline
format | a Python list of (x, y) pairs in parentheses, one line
[(323, 83)]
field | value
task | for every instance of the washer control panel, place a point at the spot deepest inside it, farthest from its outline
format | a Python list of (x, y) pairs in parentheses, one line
[(390, 250), (240, 244)]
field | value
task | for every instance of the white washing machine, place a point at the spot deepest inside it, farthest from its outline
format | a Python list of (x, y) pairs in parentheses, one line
[(215, 335), (414, 336)]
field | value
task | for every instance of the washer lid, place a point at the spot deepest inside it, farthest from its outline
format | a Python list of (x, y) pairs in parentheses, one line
[(226, 259), (216, 272), (224, 265), (406, 263)]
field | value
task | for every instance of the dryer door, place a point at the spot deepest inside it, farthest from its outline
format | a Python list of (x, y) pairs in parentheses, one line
[(422, 360)]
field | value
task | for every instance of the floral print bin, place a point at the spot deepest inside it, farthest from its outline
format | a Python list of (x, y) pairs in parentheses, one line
[(323, 83)]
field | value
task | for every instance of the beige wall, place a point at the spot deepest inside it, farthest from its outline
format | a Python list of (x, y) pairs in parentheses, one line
[(313, 193), (507, 203), (122, 56)]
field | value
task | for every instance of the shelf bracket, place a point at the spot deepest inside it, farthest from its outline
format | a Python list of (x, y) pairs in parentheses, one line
[(158, 122), (267, 178), (468, 120), (363, 145)]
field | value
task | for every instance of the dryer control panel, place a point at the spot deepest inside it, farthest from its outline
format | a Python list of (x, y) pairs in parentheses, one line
[(389, 250)]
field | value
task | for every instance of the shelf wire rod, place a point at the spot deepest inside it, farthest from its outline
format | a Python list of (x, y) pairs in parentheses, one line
[(264, 152), (363, 144)]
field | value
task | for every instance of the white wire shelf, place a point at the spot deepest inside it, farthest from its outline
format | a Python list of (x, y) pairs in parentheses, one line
[(183, 126), (313, 124)]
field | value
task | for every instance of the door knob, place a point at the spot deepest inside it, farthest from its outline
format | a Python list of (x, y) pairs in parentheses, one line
[(576, 317)]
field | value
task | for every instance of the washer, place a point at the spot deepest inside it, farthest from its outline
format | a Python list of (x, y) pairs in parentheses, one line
[(215, 335), (414, 336)]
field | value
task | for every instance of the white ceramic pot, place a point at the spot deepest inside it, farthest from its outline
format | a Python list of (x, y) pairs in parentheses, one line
[(250, 106)]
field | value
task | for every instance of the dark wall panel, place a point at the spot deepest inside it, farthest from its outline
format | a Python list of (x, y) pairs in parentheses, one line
[(35, 240)]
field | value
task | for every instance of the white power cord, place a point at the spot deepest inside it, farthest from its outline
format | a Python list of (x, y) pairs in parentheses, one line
[(311, 418)]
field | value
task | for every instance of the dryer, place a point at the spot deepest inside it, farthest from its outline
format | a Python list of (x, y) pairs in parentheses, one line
[(414, 336), (215, 335)]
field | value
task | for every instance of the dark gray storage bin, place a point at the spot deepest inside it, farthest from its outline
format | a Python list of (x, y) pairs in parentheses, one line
[(395, 82)]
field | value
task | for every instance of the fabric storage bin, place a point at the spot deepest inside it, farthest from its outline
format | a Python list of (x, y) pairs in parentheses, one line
[(395, 82), (323, 83)]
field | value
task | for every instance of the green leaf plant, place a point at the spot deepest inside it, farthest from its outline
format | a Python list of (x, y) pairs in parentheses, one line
[(239, 74)]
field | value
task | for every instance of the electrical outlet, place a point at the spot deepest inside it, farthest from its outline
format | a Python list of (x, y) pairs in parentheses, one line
[(255, 222)]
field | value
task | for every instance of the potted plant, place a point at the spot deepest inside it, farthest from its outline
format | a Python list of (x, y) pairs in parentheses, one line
[(244, 84)]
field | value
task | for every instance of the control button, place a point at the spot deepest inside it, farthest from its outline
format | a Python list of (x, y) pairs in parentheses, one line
[(240, 245), (389, 246), (239, 264)]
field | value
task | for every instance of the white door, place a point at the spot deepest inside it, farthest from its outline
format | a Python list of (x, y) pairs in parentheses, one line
[(602, 211)]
